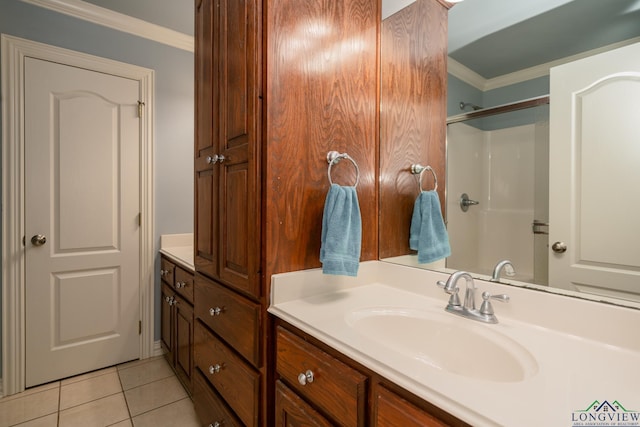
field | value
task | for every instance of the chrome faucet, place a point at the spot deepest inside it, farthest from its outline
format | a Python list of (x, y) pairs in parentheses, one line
[(468, 309), (505, 265)]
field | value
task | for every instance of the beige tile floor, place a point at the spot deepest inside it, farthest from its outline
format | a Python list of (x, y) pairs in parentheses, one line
[(135, 394)]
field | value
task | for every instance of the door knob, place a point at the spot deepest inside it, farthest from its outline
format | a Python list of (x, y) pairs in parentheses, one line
[(559, 247), (38, 240)]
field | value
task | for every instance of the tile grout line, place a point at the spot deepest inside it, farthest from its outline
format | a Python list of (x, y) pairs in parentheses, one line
[(126, 402), (162, 406), (59, 403)]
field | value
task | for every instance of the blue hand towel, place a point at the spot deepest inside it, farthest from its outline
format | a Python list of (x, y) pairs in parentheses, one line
[(428, 234), (341, 232)]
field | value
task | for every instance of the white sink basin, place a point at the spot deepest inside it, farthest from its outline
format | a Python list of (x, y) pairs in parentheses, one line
[(446, 342)]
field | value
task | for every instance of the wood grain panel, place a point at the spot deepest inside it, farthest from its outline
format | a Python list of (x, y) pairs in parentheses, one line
[(412, 115), (322, 96)]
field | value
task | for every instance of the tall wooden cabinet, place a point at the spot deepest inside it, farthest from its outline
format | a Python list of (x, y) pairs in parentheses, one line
[(228, 299), (279, 83), (227, 151)]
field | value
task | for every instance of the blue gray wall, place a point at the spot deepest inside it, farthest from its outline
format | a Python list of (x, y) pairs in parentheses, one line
[(173, 91)]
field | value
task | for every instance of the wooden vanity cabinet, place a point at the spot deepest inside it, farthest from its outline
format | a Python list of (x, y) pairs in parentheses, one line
[(341, 392), (177, 320)]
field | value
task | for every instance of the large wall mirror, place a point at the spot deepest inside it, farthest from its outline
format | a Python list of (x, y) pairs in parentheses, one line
[(502, 130)]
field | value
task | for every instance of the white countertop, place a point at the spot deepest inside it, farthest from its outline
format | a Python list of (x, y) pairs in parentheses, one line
[(582, 351), (178, 248)]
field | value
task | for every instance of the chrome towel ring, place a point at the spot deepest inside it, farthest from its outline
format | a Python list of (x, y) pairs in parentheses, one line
[(333, 157), (418, 169)]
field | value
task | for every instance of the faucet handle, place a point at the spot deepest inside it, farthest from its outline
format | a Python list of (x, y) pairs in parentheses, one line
[(486, 307)]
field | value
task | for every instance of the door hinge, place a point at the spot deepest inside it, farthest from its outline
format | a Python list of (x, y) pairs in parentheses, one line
[(140, 105), (139, 327)]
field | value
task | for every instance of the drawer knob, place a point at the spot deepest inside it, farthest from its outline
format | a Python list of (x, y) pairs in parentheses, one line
[(163, 272), (214, 369), (180, 285), (305, 377), (215, 311), (216, 424)]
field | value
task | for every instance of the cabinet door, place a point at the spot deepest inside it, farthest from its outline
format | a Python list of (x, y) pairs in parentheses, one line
[(205, 183), (184, 341), (166, 328), (239, 65), (292, 411)]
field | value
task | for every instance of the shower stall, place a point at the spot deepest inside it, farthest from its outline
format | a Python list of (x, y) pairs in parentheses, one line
[(498, 189)]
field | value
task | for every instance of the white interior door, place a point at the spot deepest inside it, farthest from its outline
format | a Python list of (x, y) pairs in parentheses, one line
[(595, 174), (82, 183)]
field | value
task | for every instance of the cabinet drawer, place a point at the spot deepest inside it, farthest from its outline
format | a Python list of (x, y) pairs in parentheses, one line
[(392, 410), (183, 283), (234, 318), (337, 389), (233, 378), (292, 411), (167, 269), (209, 406)]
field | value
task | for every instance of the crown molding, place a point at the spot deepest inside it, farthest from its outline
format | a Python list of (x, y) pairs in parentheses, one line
[(118, 21), (476, 80), (465, 74)]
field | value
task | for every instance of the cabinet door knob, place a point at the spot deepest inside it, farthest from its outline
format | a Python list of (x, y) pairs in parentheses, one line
[(216, 424), (216, 158), (214, 369), (305, 377), (216, 311)]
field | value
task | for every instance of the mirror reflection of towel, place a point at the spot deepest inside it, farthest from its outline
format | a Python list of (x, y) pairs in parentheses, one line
[(341, 232), (428, 233)]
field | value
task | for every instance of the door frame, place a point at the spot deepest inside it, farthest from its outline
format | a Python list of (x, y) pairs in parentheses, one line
[(14, 50)]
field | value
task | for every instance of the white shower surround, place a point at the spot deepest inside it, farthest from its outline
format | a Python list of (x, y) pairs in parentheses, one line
[(495, 167)]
